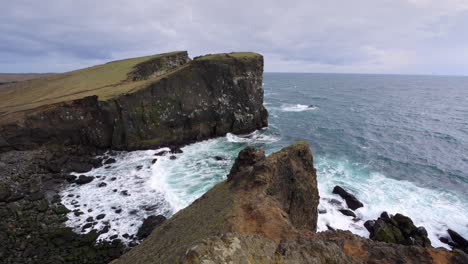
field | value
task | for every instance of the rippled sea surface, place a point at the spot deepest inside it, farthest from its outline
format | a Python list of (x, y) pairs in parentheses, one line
[(399, 143)]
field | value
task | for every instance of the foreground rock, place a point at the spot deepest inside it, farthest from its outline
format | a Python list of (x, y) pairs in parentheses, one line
[(266, 212), (456, 241), (160, 100), (398, 229)]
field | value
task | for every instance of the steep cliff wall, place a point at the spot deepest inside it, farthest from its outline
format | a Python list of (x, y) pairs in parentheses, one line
[(266, 212), (161, 100)]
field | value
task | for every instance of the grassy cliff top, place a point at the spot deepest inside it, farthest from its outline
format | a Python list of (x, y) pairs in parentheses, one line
[(105, 81), (223, 56)]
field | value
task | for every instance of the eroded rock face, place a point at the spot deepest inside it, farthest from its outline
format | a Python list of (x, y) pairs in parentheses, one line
[(266, 212), (187, 101)]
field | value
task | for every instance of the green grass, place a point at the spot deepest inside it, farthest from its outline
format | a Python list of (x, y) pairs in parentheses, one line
[(105, 81), (221, 56)]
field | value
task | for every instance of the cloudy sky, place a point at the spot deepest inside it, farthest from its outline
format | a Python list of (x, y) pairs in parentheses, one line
[(359, 36)]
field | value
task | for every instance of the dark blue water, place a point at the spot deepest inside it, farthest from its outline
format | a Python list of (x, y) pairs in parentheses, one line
[(412, 128), (399, 143)]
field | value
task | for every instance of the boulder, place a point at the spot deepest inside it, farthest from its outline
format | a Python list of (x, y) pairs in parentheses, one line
[(149, 224), (352, 202), (109, 161), (458, 241), (83, 179), (347, 212), (397, 229), (100, 216)]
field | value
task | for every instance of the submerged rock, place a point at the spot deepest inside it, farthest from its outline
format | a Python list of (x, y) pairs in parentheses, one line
[(352, 202)]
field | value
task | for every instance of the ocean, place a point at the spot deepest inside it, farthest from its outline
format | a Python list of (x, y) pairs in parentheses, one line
[(399, 143)]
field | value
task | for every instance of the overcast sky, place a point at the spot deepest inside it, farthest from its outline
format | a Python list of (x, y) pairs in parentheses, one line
[(358, 36)]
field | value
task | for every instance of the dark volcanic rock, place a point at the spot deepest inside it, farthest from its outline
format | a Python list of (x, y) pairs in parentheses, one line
[(31, 229), (176, 151), (83, 179), (397, 229), (347, 212), (149, 224), (109, 161), (100, 216), (80, 167), (352, 202), (459, 242)]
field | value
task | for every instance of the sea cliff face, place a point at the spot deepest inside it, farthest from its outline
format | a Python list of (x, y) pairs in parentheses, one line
[(166, 100), (266, 212)]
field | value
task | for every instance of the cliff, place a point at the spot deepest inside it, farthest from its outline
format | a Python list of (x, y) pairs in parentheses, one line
[(266, 212), (165, 99)]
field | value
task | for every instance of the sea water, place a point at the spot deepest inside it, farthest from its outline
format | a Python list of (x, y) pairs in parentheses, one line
[(398, 143)]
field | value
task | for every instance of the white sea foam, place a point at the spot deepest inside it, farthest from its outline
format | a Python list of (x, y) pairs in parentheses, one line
[(172, 184), (131, 173), (258, 136), (297, 107)]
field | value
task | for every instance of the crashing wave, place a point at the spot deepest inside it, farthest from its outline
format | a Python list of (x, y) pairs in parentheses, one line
[(297, 107)]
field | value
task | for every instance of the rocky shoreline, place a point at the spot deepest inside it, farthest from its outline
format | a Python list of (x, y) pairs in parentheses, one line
[(173, 101), (266, 211)]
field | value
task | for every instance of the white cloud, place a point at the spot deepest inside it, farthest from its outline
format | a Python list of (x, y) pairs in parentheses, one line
[(395, 36)]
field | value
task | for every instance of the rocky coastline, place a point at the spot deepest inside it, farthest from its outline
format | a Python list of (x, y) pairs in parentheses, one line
[(265, 212), (173, 101)]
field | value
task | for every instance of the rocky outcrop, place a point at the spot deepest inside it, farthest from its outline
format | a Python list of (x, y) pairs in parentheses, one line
[(166, 100), (274, 198), (398, 229), (266, 212)]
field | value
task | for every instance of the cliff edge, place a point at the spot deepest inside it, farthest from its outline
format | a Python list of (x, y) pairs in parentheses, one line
[(165, 99), (266, 212)]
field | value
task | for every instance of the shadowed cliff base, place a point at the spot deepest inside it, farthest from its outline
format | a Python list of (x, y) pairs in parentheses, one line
[(266, 212)]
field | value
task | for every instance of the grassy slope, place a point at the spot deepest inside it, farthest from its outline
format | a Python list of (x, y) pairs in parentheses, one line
[(18, 77), (106, 81)]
